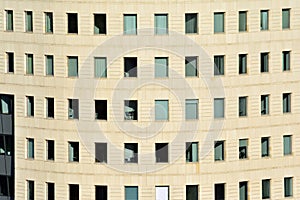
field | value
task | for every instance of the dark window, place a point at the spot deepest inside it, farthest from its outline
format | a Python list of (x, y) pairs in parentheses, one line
[(6, 104), (161, 152), (191, 153), (265, 190), (50, 107), (101, 192), (101, 152), (73, 192), (242, 63), (73, 151), (99, 23), (50, 191), (10, 62), (286, 18), (243, 146), (50, 149), (72, 66), (242, 106), (191, 66), (286, 60), (219, 150), (130, 67), (49, 22), (131, 110), (49, 65), (265, 147), (219, 67), (9, 20), (6, 145), (72, 23), (131, 153), (264, 62), (264, 101), (30, 148), (242, 21), (220, 191), (28, 21), (191, 23), (286, 102), (191, 192), (288, 186), (101, 109), (73, 108), (243, 187), (30, 190)]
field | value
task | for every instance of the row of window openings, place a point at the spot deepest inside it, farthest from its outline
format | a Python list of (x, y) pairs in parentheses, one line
[(161, 65), (161, 22), (161, 150), (162, 192)]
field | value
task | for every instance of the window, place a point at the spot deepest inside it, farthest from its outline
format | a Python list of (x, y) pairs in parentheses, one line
[(101, 152), (30, 106), (161, 152), (286, 18), (242, 63), (220, 191), (9, 20), (6, 186), (73, 151), (265, 147), (72, 66), (286, 102), (242, 106), (191, 23), (131, 110), (287, 145), (101, 192), (219, 150), (130, 24), (50, 191), (99, 23), (130, 67), (30, 190), (28, 21), (288, 186), (191, 66), (49, 107), (100, 67), (49, 65), (131, 153), (131, 193), (161, 67), (48, 22), (73, 192), (161, 24), (264, 62), (10, 62), (219, 108), (219, 22), (286, 60), (191, 109), (161, 110), (73, 108), (191, 192), (243, 148), (162, 192), (264, 103), (72, 23), (50, 149), (265, 188), (29, 64), (191, 152), (243, 190), (101, 109), (219, 65), (6, 145), (264, 20), (6, 104), (242, 21)]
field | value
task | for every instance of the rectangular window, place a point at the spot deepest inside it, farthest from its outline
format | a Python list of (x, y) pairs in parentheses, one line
[(28, 21), (161, 67), (130, 24), (219, 150), (30, 148), (101, 192), (5, 104), (161, 152), (73, 108), (161, 110), (48, 22), (131, 193), (264, 104), (243, 190), (73, 151), (287, 145), (286, 102), (264, 62), (265, 189), (49, 107), (130, 67), (50, 149), (30, 106), (29, 64), (264, 20), (220, 191), (191, 109), (219, 22), (242, 63), (288, 186), (243, 148), (219, 67), (49, 65), (191, 66), (72, 66), (162, 193), (242, 106), (6, 145), (50, 191), (30, 190), (101, 109), (242, 21), (161, 24), (99, 23), (219, 108), (72, 23), (10, 62), (191, 192), (286, 61), (9, 20), (73, 192), (100, 67), (191, 23), (191, 152), (265, 147), (101, 152), (286, 18), (131, 110), (131, 153)]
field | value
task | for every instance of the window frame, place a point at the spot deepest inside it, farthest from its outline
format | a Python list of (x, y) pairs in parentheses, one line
[(265, 152), (266, 194), (219, 65), (72, 20), (286, 61), (287, 150), (10, 62), (190, 152), (134, 147), (265, 104), (287, 26), (217, 16), (243, 148), (286, 107), (30, 106), (195, 26), (264, 62), (129, 31), (158, 67), (288, 182), (50, 152), (243, 110), (9, 28), (192, 188), (30, 148), (159, 108), (100, 62), (158, 30), (48, 22), (216, 144), (101, 196), (264, 23), (73, 149), (29, 67), (126, 189), (243, 64), (159, 197), (99, 115), (28, 24), (189, 66), (132, 114), (195, 104), (162, 152), (100, 25), (73, 109), (70, 65), (216, 105), (49, 67), (219, 190), (243, 28), (50, 195), (99, 146)]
